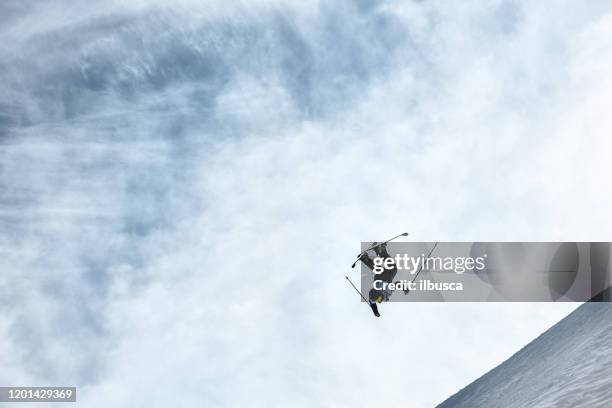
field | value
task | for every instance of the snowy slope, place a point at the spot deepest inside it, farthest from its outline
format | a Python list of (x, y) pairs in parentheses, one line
[(570, 365)]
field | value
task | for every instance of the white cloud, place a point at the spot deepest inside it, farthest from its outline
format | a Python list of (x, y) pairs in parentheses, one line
[(185, 189)]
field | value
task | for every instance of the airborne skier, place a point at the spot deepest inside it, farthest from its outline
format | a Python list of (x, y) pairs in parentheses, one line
[(375, 295)]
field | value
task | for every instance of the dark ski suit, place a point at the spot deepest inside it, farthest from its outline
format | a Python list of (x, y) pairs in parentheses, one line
[(386, 276)]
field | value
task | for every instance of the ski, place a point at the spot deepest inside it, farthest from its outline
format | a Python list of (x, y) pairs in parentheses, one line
[(404, 234)]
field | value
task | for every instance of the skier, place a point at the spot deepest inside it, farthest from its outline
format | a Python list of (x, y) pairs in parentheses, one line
[(377, 295)]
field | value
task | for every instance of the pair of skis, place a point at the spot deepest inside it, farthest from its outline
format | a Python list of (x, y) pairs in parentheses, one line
[(362, 253)]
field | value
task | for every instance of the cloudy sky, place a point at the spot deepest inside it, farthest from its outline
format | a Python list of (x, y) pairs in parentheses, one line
[(184, 184)]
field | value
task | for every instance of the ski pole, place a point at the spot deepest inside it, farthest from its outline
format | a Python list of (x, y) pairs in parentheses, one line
[(421, 267), (372, 305), (355, 287)]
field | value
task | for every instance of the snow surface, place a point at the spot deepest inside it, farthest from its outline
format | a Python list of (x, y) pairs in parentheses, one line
[(570, 365)]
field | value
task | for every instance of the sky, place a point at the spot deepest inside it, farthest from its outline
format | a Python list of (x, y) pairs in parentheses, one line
[(184, 184)]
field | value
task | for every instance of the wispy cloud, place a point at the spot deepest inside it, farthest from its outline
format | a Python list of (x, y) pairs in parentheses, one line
[(183, 185)]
